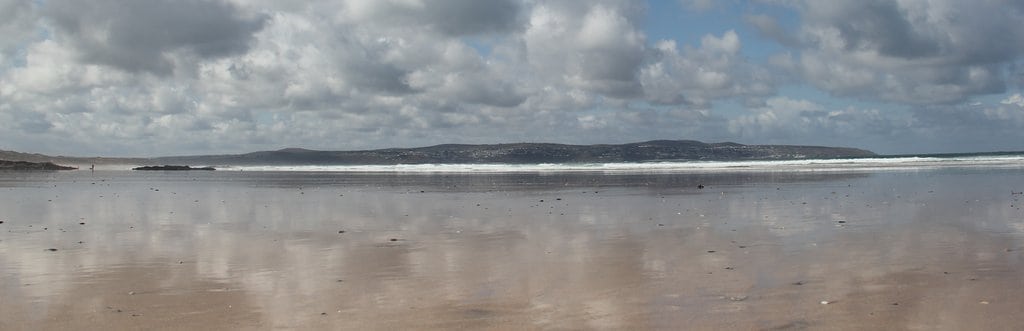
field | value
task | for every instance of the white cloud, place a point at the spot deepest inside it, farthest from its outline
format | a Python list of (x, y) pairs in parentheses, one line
[(1016, 99), (785, 120), (698, 76)]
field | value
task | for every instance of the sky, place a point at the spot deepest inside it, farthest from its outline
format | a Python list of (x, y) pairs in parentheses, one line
[(176, 77)]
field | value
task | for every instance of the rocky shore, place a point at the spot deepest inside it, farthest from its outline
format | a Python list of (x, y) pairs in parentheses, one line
[(24, 165)]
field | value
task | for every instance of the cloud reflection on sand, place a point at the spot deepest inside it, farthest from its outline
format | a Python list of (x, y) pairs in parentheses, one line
[(263, 250)]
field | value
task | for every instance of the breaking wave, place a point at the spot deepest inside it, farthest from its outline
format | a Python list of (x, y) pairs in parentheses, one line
[(1001, 160)]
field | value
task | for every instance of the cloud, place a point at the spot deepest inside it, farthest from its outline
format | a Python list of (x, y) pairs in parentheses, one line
[(152, 36), (770, 28), (697, 76), (972, 127), (910, 52), (361, 74), (919, 129), (784, 120), (597, 52), (1016, 99), (213, 76), (448, 17), (17, 19)]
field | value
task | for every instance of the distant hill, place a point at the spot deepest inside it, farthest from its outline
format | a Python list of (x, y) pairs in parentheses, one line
[(522, 153), (81, 162), (518, 153)]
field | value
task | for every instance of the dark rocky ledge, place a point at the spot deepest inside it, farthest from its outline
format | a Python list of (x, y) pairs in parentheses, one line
[(172, 168), (23, 165)]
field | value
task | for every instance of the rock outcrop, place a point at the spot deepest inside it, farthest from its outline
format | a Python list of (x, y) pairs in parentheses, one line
[(25, 165)]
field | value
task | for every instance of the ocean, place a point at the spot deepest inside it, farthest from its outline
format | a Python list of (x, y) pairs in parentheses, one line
[(881, 163)]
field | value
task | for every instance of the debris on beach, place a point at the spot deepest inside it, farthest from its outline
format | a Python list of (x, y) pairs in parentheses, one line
[(51, 249), (826, 302)]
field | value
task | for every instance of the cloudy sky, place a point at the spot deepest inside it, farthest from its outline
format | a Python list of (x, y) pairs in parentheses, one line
[(168, 77)]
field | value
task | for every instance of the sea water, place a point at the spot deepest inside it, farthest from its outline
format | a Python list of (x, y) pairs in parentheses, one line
[(903, 162)]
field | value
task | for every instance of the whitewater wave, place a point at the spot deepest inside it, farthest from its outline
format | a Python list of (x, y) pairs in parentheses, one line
[(835, 165)]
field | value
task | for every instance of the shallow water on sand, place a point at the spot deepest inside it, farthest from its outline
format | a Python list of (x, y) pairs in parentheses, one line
[(931, 249)]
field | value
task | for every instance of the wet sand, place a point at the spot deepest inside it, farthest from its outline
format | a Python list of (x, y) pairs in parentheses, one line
[(918, 250)]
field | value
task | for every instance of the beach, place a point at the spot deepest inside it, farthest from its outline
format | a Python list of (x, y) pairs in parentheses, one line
[(915, 249)]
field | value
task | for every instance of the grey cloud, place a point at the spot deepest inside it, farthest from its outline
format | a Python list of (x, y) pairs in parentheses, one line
[(611, 74), (33, 122), (17, 18), (378, 77), (923, 52), (975, 127), (880, 26), (977, 119), (470, 17), (448, 17), (769, 28), (140, 36), (484, 91)]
